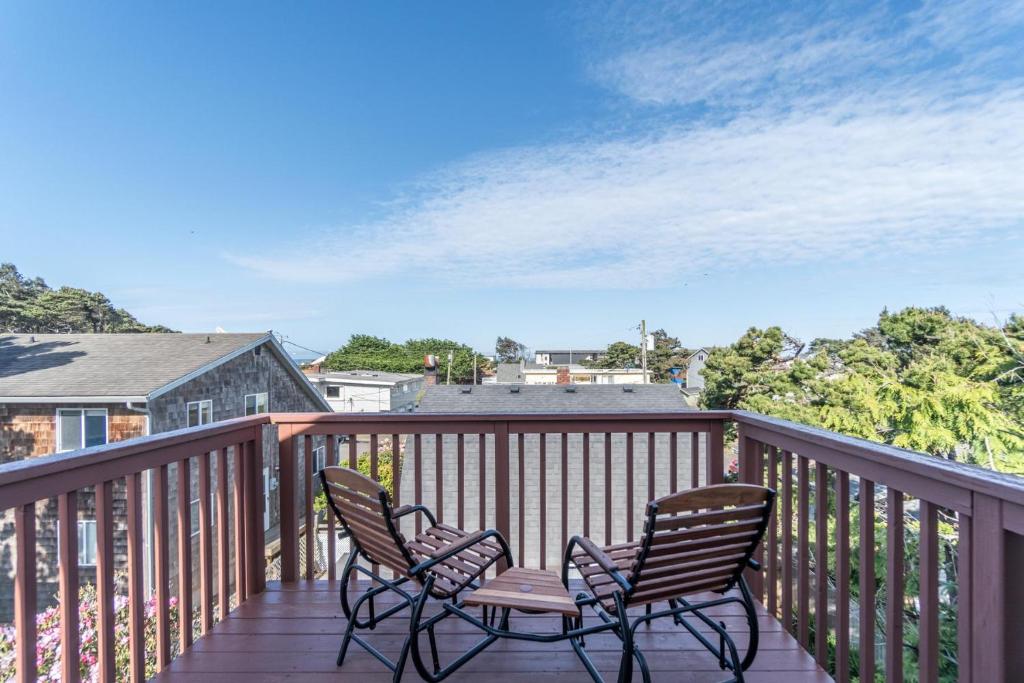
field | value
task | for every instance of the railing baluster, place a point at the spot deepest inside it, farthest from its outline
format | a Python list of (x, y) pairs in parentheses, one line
[(716, 454), (522, 499), (694, 459), (105, 581), (964, 602), (417, 448), (928, 627), (894, 588), (821, 564), (375, 475), (565, 490), (136, 610), (866, 568), (240, 502), (501, 489), (629, 486), (307, 488), (461, 476), (161, 574), (25, 592), (67, 514), (586, 484), (607, 488), (803, 584), (842, 576), (650, 466), (396, 470), (482, 450), (257, 539), (773, 534), (223, 573), (673, 463), (542, 475), (288, 493), (330, 459), (439, 476), (786, 463), (184, 554), (205, 548)]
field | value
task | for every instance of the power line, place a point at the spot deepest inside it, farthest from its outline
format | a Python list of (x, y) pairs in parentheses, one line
[(300, 346)]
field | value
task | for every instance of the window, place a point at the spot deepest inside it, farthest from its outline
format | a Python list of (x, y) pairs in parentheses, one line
[(256, 404), (194, 521), (81, 428), (333, 391), (87, 543), (319, 458), (405, 388), (199, 412)]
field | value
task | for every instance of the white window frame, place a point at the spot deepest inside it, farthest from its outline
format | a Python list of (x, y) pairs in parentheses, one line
[(188, 411), (193, 507), (319, 458), (256, 402), (81, 416), (86, 548), (335, 387)]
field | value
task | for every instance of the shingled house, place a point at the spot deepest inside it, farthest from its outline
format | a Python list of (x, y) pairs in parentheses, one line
[(62, 392)]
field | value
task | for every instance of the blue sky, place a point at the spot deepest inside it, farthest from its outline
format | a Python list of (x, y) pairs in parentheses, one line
[(553, 173)]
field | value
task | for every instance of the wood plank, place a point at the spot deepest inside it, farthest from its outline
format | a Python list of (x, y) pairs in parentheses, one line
[(630, 487), (161, 570), (842, 671), (928, 568), (608, 489), (586, 486), (787, 541), (522, 498), (694, 460), (542, 473), (866, 569), (25, 592), (894, 588), (482, 461), (184, 475), (105, 580), (223, 550), (565, 490), (821, 564), (803, 584), (772, 541), (239, 528), (205, 547), (307, 497), (136, 596), (331, 459), (461, 479)]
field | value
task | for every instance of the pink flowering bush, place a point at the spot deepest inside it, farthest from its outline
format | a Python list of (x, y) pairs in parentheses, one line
[(48, 651)]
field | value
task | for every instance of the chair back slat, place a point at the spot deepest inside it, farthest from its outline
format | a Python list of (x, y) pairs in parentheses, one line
[(698, 540), (363, 507)]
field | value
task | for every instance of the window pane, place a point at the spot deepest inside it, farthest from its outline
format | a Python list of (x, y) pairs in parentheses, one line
[(333, 392), (87, 542), (261, 403), (70, 429), (193, 414), (95, 427), (206, 412), (250, 404)]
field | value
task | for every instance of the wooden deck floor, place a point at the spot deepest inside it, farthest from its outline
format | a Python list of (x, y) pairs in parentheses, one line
[(292, 632)]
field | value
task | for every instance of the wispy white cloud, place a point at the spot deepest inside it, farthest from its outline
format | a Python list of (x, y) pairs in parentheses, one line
[(832, 139)]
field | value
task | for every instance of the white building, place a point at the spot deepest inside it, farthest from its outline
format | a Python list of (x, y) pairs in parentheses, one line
[(533, 373), (695, 369), (368, 391)]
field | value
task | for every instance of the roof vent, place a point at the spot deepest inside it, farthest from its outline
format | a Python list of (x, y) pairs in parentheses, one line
[(570, 390), (258, 350), (466, 390), (32, 340), (627, 390), (514, 389), (207, 339)]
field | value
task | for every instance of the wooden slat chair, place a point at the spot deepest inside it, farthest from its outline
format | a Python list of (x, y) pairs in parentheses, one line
[(695, 541), (442, 561)]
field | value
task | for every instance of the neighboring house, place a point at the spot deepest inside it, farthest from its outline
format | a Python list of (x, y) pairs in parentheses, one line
[(504, 399), (535, 373), (368, 391), (61, 392), (695, 370), (568, 356)]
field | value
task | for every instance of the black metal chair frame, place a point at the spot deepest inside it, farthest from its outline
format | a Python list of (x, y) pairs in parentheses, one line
[(418, 572)]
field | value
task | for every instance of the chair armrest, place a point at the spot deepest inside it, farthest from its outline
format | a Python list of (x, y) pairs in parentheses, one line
[(409, 509), (599, 557)]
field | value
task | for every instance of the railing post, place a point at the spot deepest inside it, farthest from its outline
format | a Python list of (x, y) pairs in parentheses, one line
[(255, 543), (289, 509), (716, 454), (749, 473), (501, 485), (988, 591)]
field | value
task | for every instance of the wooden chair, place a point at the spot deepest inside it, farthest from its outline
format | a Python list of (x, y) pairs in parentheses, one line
[(693, 542), (442, 562)]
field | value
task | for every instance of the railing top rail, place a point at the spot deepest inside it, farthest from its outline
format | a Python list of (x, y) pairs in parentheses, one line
[(41, 477), (416, 418), (970, 477)]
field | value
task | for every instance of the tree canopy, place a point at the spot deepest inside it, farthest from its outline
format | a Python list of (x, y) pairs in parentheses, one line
[(920, 378), (366, 352), (29, 305), (508, 350)]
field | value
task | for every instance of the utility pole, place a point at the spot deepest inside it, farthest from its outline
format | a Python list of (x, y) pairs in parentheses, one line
[(643, 348), (451, 356), (474, 368)]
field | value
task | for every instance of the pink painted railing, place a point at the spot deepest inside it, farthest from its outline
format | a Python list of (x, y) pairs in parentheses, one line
[(572, 470)]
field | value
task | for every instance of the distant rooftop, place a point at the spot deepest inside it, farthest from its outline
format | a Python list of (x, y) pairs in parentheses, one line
[(552, 398), (364, 376)]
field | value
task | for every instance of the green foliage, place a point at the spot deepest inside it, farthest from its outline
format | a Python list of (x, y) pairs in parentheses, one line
[(385, 474), (620, 355), (30, 305), (508, 350), (667, 354), (920, 379), (365, 352)]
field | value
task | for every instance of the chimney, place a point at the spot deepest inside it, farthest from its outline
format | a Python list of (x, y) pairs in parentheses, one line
[(430, 370), (562, 376)]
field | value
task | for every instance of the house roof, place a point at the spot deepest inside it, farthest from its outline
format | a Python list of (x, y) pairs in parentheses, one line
[(119, 367), (572, 351), (552, 398), (363, 377)]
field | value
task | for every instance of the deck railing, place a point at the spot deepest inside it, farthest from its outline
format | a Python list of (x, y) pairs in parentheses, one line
[(540, 479)]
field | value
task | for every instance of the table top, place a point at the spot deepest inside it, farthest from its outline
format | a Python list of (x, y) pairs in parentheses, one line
[(526, 590)]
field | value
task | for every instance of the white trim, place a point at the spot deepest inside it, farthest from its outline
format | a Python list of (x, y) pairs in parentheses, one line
[(72, 399), (81, 409), (245, 403), (200, 404)]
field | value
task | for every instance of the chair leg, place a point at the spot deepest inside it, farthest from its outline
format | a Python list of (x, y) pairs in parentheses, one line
[(626, 663), (751, 614)]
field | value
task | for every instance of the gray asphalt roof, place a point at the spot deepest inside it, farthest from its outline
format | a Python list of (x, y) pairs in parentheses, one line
[(33, 365), (552, 398)]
